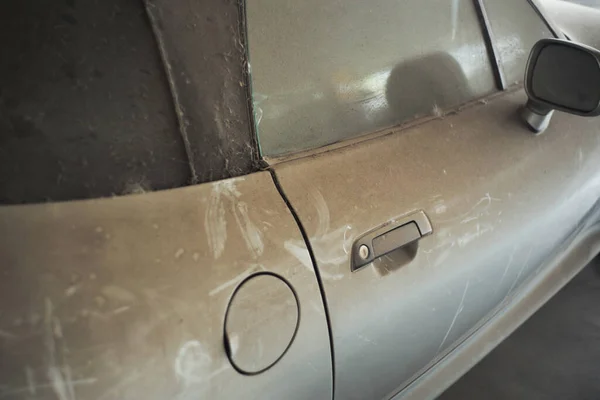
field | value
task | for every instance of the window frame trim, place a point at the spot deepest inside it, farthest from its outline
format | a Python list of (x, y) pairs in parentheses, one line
[(490, 43), (219, 141), (490, 38), (374, 135), (554, 29)]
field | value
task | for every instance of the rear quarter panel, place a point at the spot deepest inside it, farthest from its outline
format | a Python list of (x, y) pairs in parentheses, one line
[(125, 298)]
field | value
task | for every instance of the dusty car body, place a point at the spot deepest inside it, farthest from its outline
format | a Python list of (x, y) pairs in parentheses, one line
[(304, 133)]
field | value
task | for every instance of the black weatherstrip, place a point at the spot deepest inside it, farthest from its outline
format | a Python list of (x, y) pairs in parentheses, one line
[(491, 45), (317, 273), (202, 47)]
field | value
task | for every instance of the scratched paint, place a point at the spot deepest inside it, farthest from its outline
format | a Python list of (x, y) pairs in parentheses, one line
[(119, 294), (225, 196), (459, 310), (479, 231), (250, 233), (58, 372), (333, 244), (117, 324), (215, 223), (236, 279), (193, 363), (299, 251)]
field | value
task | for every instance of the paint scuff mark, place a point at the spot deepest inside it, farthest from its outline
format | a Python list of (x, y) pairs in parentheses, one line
[(486, 201), (525, 264), (236, 279), (508, 265), (62, 390), (121, 310), (471, 236), (71, 290), (118, 294), (193, 364), (215, 223), (469, 219), (443, 256), (437, 111), (319, 309), (324, 242), (366, 339), (299, 251), (30, 377), (10, 393), (460, 308), (322, 213), (57, 328), (234, 343), (7, 335), (440, 207), (250, 233), (347, 243), (444, 240), (60, 376)]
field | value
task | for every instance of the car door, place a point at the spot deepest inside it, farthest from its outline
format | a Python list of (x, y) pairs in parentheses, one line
[(185, 293), (472, 204)]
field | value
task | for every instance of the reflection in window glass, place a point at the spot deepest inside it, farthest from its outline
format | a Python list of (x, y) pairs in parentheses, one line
[(324, 71), (516, 27)]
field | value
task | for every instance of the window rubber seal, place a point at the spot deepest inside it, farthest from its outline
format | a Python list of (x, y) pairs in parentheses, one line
[(490, 42)]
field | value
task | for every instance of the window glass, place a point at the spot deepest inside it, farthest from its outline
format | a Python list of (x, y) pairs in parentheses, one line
[(516, 27), (324, 71)]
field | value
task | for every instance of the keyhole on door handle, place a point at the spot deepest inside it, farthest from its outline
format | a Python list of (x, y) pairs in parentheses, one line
[(398, 234)]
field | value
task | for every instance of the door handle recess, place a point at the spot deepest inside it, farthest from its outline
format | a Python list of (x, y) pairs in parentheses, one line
[(389, 237)]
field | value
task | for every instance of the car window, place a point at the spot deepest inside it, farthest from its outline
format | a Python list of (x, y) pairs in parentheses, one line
[(516, 27), (324, 71)]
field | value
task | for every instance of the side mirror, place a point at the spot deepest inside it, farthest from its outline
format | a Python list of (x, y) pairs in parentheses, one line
[(564, 76)]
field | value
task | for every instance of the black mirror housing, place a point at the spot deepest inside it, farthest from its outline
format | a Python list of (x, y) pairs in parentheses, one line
[(561, 75)]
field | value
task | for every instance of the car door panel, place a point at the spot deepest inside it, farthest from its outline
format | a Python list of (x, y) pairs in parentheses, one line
[(125, 298), (570, 259), (500, 200)]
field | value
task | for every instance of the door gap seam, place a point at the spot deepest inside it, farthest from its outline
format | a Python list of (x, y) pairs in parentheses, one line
[(317, 273)]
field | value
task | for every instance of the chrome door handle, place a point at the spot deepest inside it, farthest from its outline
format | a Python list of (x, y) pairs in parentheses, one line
[(389, 237)]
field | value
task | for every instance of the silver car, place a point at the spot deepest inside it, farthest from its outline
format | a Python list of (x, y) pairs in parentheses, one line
[(342, 200)]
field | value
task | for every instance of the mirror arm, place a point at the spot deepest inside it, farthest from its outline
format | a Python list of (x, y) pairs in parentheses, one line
[(537, 116)]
